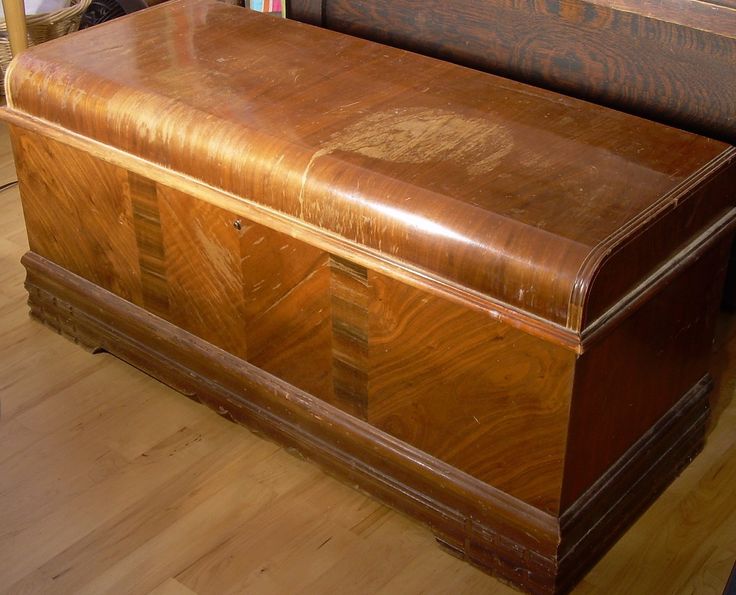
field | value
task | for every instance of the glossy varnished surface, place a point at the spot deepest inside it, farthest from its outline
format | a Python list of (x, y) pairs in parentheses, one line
[(105, 471), (671, 61), (501, 188), (430, 383), (316, 273), (402, 359)]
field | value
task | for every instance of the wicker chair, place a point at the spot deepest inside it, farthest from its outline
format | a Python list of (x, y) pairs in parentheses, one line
[(42, 27)]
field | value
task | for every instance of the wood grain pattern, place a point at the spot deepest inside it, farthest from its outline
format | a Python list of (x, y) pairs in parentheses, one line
[(242, 392), (120, 437), (486, 526), (672, 334), (390, 353), (307, 233), (150, 242), (351, 297), (672, 62), (708, 200), (363, 342), (307, 11), (376, 147), (657, 457), (292, 338), (470, 391), (276, 288), (90, 227), (398, 279), (205, 299)]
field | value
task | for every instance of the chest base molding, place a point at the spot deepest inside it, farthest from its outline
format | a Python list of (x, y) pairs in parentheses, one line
[(536, 551)]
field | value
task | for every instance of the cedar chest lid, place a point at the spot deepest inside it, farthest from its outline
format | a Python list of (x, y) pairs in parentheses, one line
[(516, 195)]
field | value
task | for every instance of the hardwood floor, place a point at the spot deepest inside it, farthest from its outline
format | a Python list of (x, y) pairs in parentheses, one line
[(113, 483)]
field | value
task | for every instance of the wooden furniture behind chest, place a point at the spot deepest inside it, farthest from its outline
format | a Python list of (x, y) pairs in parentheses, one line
[(671, 61), (488, 304)]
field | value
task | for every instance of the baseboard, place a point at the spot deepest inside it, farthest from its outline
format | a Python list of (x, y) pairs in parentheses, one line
[(516, 542)]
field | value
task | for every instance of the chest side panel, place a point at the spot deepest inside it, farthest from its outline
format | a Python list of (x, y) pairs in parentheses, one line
[(78, 213), (487, 398), (255, 293), (452, 381), (630, 379)]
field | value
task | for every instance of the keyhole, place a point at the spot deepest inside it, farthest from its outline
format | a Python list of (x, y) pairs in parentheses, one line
[(237, 224)]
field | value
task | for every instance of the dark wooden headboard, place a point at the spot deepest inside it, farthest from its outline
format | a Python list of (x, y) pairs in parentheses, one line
[(669, 60)]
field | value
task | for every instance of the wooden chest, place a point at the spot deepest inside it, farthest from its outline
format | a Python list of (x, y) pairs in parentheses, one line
[(489, 305)]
